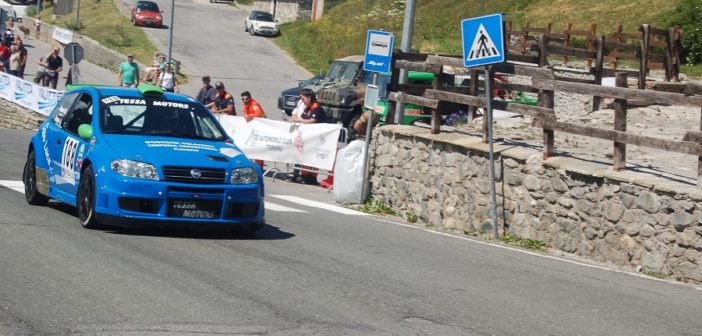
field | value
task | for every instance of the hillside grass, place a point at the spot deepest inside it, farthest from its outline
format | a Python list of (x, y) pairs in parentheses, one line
[(102, 21), (342, 31)]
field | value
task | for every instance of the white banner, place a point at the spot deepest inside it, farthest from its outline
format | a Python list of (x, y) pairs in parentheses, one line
[(63, 35), (271, 140), (27, 94)]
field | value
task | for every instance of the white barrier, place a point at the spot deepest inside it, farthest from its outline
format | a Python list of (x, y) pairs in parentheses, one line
[(311, 145), (27, 94)]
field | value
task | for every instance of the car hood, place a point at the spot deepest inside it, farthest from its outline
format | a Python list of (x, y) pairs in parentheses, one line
[(149, 14), (294, 91), (171, 151)]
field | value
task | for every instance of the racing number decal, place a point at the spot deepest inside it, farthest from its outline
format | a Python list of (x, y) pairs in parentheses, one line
[(68, 160)]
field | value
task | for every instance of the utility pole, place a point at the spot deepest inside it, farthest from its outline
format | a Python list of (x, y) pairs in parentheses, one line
[(406, 46), (78, 15), (317, 9), (170, 33)]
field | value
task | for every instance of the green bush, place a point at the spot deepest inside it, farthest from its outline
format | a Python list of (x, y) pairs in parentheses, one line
[(688, 14)]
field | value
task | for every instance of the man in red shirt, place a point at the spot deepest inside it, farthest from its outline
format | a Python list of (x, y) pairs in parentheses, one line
[(252, 109)]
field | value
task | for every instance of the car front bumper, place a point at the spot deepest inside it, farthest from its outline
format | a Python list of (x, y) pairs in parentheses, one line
[(146, 201), (266, 31)]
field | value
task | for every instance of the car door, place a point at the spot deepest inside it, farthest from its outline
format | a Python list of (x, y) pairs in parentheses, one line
[(53, 137), (69, 147)]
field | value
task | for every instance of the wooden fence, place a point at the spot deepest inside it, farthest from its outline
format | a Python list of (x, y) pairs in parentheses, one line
[(651, 48), (544, 82)]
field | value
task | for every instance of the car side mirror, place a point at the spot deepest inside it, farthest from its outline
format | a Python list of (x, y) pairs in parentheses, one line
[(85, 131), (299, 83), (19, 20)]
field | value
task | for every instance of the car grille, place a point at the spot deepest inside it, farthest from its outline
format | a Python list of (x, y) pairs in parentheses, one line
[(291, 101), (328, 96), (184, 175)]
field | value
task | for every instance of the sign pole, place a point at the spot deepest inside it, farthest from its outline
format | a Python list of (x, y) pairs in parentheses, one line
[(493, 187)]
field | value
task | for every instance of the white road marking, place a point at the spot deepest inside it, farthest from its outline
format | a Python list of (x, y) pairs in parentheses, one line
[(281, 208), (14, 185), (319, 205)]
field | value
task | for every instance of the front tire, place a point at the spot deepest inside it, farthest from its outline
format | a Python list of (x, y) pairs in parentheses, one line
[(85, 200), (31, 194), (251, 31)]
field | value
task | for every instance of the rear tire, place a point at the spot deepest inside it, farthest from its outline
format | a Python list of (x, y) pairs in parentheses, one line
[(85, 200), (31, 194)]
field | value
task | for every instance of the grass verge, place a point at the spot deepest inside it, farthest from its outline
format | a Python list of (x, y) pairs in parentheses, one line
[(102, 21)]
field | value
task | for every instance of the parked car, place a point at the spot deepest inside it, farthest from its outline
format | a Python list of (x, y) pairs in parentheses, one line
[(147, 13), (289, 97), (131, 156), (262, 23)]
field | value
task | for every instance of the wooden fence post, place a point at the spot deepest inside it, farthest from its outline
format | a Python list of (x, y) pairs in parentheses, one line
[(543, 50), (599, 65), (620, 107), (436, 113), (546, 100), (643, 67), (593, 34), (669, 54), (619, 39), (525, 32), (677, 50), (566, 42), (473, 91), (394, 82)]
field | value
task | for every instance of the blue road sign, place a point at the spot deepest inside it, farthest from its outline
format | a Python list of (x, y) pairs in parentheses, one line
[(379, 45), (483, 40)]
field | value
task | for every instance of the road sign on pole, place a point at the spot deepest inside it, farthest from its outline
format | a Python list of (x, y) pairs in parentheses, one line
[(483, 40), (73, 52), (378, 55), (484, 44)]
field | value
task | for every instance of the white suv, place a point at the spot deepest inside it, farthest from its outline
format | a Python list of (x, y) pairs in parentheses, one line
[(262, 23)]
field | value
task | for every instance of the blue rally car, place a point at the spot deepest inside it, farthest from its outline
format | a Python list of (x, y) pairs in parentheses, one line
[(131, 156)]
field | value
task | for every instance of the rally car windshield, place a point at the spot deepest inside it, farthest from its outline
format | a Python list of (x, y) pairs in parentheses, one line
[(155, 116)]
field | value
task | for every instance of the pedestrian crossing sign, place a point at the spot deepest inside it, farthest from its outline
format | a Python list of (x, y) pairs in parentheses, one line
[(483, 40)]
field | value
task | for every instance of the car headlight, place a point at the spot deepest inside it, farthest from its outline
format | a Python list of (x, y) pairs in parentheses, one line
[(245, 175), (134, 169), (159, 17)]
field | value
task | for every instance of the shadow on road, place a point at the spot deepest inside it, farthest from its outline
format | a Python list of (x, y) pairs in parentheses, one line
[(189, 231), (267, 232)]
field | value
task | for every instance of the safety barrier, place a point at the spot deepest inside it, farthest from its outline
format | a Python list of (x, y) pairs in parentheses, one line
[(276, 170)]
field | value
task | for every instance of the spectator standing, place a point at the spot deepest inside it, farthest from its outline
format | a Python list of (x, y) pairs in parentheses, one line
[(39, 77), (8, 36), (53, 64), (128, 74), (167, 79), (15, 61), (5, 54), (207, 92), (313, 113), (152, 71), (23, 56), (223, 102), (252, 109), (37, 26)]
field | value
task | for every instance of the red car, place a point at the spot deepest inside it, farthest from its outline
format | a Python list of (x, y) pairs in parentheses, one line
[(147, 13)]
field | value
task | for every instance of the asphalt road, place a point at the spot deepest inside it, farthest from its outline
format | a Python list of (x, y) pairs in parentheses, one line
[(311, 271), (209, 38)]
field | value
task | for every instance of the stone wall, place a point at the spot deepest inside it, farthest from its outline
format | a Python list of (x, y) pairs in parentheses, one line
[(634, 220), (14, 116)]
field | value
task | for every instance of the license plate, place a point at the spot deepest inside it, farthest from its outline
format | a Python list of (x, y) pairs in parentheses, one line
[(291, 103), (193, 209)]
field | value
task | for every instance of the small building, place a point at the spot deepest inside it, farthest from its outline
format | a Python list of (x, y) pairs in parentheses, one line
[(286, 10)]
